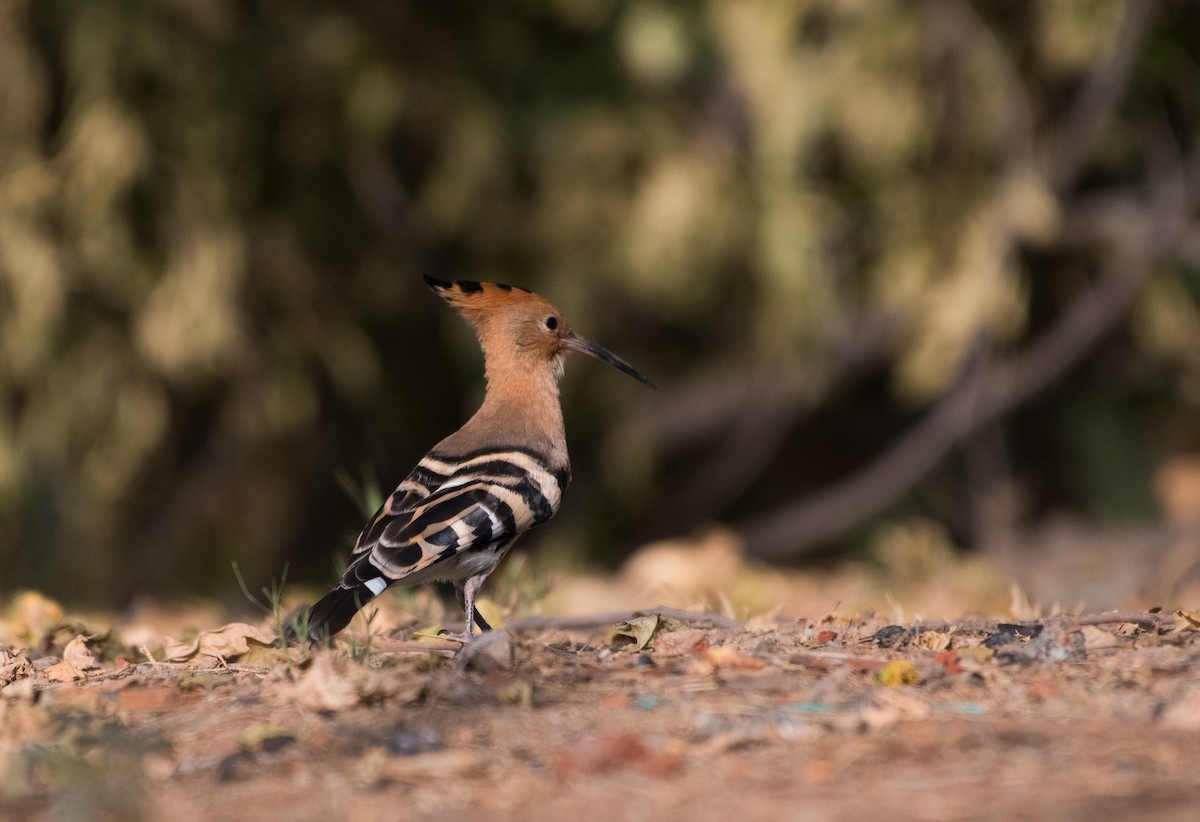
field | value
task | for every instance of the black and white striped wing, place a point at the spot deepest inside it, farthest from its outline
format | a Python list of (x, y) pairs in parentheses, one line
[(452, 518), (474, 502), (420, 482)]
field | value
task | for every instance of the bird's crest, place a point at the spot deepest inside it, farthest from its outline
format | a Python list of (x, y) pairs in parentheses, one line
[(473, 298), (513, 323)]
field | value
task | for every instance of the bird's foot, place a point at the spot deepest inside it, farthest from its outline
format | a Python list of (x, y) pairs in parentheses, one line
[(464, 637)]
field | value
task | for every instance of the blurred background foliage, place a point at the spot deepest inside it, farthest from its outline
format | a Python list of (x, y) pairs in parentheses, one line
[(887, 260)]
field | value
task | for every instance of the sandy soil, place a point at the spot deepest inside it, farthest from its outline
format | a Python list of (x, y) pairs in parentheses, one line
[(840, 718)]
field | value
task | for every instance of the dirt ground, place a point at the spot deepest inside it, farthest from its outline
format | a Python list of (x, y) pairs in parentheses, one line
[(669, 715)]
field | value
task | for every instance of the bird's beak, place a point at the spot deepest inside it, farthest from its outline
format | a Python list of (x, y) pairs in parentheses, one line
[(583, 345)]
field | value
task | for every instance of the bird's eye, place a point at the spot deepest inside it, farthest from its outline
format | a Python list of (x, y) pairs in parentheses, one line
[(552, 323)]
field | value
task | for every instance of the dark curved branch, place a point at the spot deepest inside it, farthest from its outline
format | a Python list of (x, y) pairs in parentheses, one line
[(1071, 144), (989, 392), (752, 413)]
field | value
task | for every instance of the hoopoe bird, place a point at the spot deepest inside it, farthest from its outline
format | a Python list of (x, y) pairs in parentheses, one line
[(460, 510)]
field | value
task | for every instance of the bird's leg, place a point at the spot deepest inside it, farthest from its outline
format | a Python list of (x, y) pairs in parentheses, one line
[(459, 589), (481, 622), (469, 588)]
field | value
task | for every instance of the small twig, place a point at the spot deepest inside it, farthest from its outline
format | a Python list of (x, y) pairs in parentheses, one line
[(116, 673), (1145, 619), (589, 621), (241, 668), (385, 645)]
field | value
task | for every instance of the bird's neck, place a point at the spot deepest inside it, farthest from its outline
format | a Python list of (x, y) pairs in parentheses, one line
[(521, 408)]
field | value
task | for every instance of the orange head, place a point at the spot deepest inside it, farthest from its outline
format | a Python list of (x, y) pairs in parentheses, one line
[(514, 323)]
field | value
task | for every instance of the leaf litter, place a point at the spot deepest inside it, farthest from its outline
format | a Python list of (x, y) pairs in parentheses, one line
[(661, 715)]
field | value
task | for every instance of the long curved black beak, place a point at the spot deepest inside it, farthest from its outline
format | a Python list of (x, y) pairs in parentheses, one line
[(583, 345)]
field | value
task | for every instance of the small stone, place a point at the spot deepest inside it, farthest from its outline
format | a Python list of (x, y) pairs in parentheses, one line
[(893, 636), (413, 740), (1000, 640), (490, 651)]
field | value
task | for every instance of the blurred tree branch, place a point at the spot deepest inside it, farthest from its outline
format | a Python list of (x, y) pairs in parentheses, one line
[(751, 415), (752, 434), (990, 390), (808, 219), (1071, 143)]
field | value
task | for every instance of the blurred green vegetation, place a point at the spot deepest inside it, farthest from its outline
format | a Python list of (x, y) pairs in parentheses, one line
[(810, 221)]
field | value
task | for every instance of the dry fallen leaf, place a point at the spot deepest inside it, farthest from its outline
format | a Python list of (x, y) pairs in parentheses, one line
[(13, 666), (1097, 639), (225, 643), (331, 683), (636, 632), (79, 655), (334, 683), (1186, 621), (19, 691), (933, 640), (76, 659), (1128, 629), (62, 671), (644, 629)]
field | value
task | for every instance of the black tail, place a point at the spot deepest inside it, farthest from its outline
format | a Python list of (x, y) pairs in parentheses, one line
[(334, 611)]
